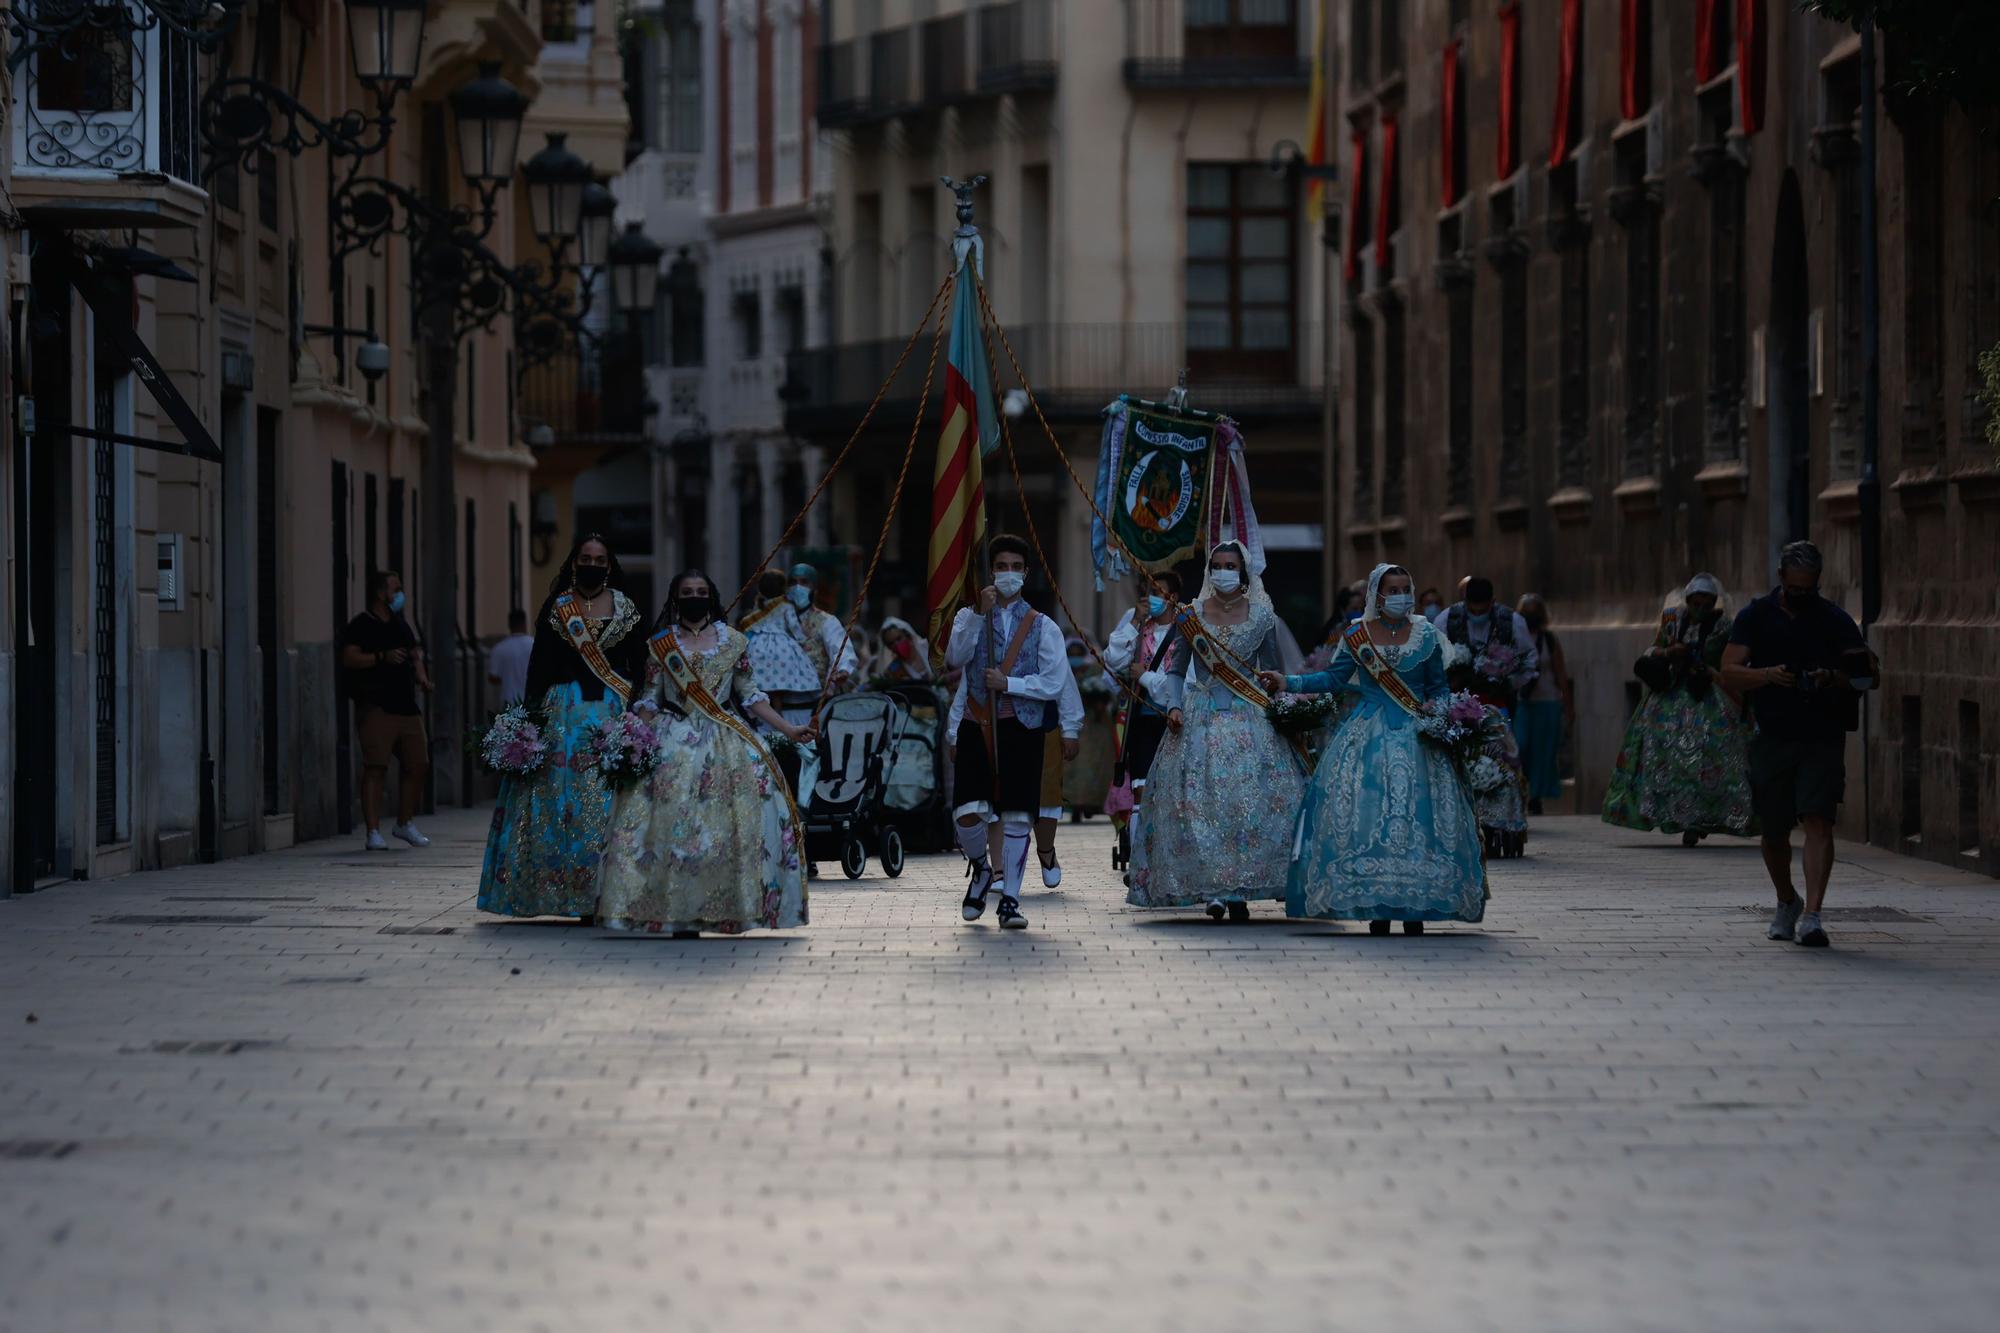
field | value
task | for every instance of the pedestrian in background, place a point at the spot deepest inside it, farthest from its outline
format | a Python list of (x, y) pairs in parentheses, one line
[(1801, 660), (1684, 764), (1497, 640), (385, 669), (507, 663), (1546, 707)]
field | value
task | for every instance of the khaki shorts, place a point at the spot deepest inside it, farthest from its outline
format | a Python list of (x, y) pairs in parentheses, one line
[(383, 734)]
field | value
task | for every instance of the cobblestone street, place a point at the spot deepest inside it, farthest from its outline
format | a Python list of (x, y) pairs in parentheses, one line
[(315, 1089)]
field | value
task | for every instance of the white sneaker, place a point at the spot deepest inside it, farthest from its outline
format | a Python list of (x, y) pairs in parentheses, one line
[(1811, 933), (1051, 875), (376, 842), (1786, 920), (408, 833)]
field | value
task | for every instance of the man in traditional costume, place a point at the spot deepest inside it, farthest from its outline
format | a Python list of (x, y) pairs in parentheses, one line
[(826, 638), (1498, 640), (1015, 675)]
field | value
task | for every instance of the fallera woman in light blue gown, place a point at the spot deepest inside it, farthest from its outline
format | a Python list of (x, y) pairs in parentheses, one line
[(1387, 832)]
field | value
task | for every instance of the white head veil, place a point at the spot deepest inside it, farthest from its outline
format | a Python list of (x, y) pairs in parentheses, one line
[(1371, 609), (1260, 602), (920, 659), (1700, 583)]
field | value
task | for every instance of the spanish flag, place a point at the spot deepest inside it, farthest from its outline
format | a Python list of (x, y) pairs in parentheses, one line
[(970, 429), (1316, 117)]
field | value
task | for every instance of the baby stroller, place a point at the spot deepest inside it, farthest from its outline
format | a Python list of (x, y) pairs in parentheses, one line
[(846, 812), (919, 785)]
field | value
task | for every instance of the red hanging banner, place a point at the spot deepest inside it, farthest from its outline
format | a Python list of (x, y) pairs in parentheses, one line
[(1572, 31), (1351, 269), (1750, 65), (1509, 156), (1707, 60), (1631, 44), (1382, 255), (1448, 121)]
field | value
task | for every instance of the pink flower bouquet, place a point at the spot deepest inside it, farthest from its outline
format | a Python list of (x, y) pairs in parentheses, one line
[(514, 744), (624, 748)]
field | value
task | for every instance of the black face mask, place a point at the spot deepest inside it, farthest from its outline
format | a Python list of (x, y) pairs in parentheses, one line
[(590, 579), (694, 610), (1535, 620), (1800, 597)]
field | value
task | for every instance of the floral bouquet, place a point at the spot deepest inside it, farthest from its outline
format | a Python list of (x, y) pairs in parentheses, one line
[(514, 744), (1498, 661), (1319, 659), (1460, 724), (1488, 774), (623, 747), (1302, 714)]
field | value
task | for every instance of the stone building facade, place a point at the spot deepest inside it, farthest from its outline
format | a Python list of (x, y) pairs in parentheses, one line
[(1602, 274)]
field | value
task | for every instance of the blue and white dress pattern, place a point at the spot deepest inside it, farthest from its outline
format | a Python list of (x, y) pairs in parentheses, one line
[(1388, 831), (1220, 797)]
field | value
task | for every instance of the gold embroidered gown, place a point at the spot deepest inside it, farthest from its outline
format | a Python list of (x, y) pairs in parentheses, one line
[(710, 840)]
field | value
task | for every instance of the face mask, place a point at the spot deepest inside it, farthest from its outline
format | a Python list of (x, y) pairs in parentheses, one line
[(1078, 663), (396, 601), (1010, 583), (590, 578), (1156, 606), (903, 648), (1536, 620), (801, 596), (694, 610), (1479, 617), (1397, 605), (1431, 609), (1225, 581), (1798, 597)]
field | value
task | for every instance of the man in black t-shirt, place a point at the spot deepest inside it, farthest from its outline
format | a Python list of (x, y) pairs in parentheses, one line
[(384, 668), (1800, 659)]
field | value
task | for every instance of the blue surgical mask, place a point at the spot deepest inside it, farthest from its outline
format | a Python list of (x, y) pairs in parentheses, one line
[(1397, 605), (1225, 581), (1156, 605), (1010, 583), (396, 601), (801, 596)]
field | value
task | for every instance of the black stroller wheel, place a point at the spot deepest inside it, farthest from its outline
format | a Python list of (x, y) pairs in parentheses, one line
[(891, 849), (853, 858)]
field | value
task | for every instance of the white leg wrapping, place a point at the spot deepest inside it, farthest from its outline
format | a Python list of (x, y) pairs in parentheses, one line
[(1015, 859)]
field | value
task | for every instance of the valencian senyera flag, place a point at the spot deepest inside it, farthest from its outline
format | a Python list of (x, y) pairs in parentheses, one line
[(970, 429)]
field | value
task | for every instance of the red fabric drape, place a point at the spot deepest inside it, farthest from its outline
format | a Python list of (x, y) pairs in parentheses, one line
[(1388, 190), (1707, 60), (1631, 50), (1509, 156), (1358, 145), (1448, 144), (1750, 64), (1572, 32)]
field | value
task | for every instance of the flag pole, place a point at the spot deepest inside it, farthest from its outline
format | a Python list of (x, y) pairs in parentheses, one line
[(968, 246)]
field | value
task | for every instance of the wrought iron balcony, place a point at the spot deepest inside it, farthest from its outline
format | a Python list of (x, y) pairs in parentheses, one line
[(1074, 370), (596, 394), (1017, 47), (1181, 44), (106, 87)]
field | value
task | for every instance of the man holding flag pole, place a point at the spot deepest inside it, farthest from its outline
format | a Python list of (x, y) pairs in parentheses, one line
[(1009, 698)]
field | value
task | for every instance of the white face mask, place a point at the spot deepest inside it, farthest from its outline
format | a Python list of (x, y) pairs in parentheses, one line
[(801, 596), (1396, 606), (1225, 581), (1010, 583)]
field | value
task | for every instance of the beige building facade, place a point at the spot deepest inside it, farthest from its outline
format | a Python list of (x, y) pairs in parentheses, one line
[(1133, 230), (177, 586)]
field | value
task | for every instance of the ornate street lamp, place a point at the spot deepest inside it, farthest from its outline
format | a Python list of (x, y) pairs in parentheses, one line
[(388, 41), (635, 271), (593, 232), (489, 111), (557, 179)]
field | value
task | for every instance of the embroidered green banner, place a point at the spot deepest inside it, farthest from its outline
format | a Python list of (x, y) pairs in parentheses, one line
[(1159, 499)]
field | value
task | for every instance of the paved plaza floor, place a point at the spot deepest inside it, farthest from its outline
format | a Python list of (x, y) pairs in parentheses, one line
[(316, 1090)]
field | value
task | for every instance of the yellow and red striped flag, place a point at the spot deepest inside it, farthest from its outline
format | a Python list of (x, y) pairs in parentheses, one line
[(970, 429), (1316, 140)]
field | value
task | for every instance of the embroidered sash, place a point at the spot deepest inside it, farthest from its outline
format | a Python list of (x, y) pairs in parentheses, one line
[(760, 615), (980, 710), (1219, 664), (682, 671), (569, 614), (1362, 649)]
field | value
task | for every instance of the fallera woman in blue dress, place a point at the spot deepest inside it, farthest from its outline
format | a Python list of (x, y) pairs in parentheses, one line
[(1387, 832)]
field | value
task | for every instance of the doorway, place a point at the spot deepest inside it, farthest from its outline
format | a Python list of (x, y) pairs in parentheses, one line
[(1788, 364)]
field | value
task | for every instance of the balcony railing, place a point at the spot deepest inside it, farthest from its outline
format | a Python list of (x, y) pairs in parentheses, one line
[(119, 94), (1017, 47), (1217, 44), (1075, 369), (1003, 48), (593, 396)]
